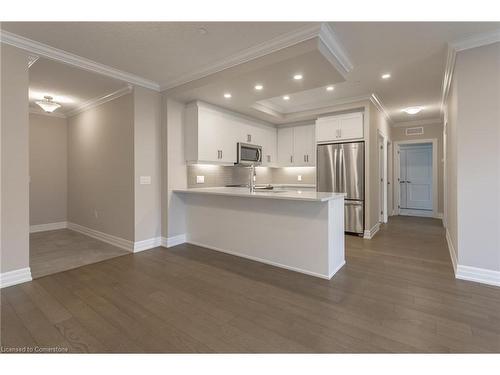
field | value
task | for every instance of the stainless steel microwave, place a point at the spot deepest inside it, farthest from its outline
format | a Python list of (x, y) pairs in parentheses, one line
[(248, 154)]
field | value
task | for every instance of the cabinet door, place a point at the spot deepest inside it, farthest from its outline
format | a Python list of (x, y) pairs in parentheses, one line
[(351, 126), (285, 146), (266, 137), (216, 138), (304, 145), (327, 129)]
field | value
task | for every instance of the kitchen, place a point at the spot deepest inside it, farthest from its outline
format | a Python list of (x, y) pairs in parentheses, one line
[(263, 177)]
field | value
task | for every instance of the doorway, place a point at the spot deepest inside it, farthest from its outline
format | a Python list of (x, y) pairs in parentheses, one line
[(382, 144), (416, 171)]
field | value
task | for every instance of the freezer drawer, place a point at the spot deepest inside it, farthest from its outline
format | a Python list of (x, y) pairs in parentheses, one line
[(354, 216)]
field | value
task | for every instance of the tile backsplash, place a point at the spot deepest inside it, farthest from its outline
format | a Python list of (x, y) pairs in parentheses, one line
[(215, 175)]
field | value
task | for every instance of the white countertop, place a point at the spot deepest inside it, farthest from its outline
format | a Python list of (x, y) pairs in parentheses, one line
[(298, 195)]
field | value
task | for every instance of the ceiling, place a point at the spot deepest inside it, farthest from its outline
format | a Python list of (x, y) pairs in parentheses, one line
[(413, 53), (159, 51), (69, 86)]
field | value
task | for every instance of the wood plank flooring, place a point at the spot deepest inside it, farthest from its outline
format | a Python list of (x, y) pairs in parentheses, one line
[(61, 250), (397, 293)]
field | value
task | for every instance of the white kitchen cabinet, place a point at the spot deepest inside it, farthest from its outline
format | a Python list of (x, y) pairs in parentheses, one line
[(340, 127), (304, 145), (211, 135), (285, 147), (296, 146)]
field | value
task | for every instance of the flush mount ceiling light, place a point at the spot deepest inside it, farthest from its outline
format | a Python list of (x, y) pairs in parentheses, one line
[(227, 95), (47, 104), (297, 77), (286, 97), (202, 31), (259, 87), (412, 110), (329, 88), (386, 75)]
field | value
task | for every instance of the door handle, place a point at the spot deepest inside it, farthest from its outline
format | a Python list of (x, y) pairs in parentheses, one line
[(408, 182)]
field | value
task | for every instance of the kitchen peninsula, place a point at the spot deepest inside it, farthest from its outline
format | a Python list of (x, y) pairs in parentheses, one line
[(298, 230)]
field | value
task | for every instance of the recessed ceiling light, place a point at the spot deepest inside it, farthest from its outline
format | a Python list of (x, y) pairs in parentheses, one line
[(259, 87), (227, 95), (386, 75), (329, 88), (297, 77), (286, 97), (412, 110)]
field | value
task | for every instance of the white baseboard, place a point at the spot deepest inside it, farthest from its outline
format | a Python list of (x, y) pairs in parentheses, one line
[(336, 270), (369, 234), (439, 215), (420, 213), (148, 244), (108, 238), (453, 254), (48, 226), (479, 275), (174, 240), (260, 260), (19, 276)]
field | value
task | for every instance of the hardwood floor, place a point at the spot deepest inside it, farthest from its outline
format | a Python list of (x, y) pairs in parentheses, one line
[(61, 250), (397, 293)]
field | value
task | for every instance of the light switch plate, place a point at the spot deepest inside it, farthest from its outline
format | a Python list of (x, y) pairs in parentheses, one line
[(299, 178), (200, 179), (145, 180)]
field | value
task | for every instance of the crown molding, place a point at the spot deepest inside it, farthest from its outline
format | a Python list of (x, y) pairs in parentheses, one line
[(405, 124), (333, 50), (36, 111), (100, 100), (329, 46), (32, 59), (377, 103), (462, 45), (52, 53)]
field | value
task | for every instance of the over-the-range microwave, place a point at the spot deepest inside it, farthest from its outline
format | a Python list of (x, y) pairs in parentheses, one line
[(248, 154)]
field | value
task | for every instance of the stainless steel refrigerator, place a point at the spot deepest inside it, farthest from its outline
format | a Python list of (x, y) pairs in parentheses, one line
[(341, 169)]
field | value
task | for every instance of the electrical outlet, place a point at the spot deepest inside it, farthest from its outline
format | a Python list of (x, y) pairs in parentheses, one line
[(299, 178), (145, 180), (200, 179)]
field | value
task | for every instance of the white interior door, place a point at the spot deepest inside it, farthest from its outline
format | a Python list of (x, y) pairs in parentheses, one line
[(416, 177), (381, 178)]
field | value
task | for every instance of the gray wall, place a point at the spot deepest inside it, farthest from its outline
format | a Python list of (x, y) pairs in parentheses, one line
[(147, 162), (15, 159), (101, 168), (48, 169), (477, 76), (430, 131)]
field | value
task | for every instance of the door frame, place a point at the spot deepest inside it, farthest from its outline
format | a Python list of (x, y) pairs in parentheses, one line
[(382, 214), (397, 170)]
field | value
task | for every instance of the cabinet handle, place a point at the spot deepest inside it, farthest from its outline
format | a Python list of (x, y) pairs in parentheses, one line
[(268, 158), (291, 158), (249, 137), (221, 154), (305, 158)]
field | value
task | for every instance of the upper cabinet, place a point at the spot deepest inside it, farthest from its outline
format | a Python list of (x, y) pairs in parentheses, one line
[(296, 146), (211, 135), (340, 127)]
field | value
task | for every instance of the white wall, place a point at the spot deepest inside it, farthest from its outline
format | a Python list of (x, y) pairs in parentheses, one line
[(147, 162), (173, 123), (48, 169), (14, 160)]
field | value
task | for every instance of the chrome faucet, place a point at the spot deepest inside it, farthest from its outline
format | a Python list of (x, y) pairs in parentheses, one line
[(253, 176)]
